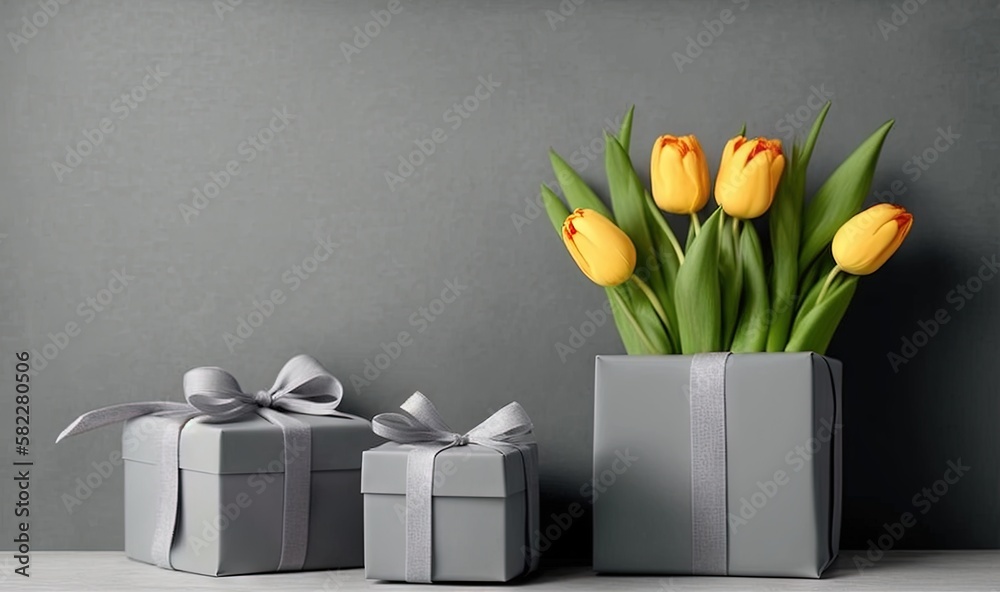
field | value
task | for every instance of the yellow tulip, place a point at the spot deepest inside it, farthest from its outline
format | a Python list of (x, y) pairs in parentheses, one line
[(678, 173), (604, 253), (867, 240), (748, 176)]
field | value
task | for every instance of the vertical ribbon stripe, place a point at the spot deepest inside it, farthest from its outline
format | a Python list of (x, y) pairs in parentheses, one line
[(169, 479), (709, 536), (297, 488)]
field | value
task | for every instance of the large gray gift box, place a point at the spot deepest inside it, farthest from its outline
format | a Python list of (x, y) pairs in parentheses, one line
[(230, 511), (717, 464)]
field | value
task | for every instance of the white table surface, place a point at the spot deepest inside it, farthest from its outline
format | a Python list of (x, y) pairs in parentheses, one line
[(902, 570)]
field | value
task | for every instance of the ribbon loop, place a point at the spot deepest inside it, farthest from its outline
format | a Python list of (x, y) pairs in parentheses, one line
[(213, 395), (421, 425)]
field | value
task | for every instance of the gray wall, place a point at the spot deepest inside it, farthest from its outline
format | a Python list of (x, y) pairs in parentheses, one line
[(397, 245)]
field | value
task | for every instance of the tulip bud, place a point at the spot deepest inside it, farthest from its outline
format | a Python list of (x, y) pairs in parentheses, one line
[(678, 173), (604, 253), (867, 240), (748, 176)]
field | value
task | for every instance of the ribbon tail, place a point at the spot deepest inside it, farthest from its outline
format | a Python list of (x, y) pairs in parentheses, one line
[(419, 518), (117, 414), (529, 454), (297, 488), (169, 482)]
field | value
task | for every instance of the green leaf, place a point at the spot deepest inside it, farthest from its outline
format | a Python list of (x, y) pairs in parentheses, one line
[(664, 260), (819, 324), (752, 330), (634, 344), (807, 148), (730, 277), (640, 334), (840, 197), (625, 133), (555, 208), (785, 220), (628, 198), (578, 193), (811, 285), (697, 297), (743, 130), (690, 237)]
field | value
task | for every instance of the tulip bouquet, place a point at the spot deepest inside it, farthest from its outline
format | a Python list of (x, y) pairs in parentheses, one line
[(718, 292)]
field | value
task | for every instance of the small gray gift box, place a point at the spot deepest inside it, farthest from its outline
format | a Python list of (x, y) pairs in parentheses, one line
[(442, 506), (717, 464), (236, 483)]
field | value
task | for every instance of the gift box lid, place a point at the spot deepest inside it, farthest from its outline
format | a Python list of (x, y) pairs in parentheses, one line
[(251, 444), (460, 471)]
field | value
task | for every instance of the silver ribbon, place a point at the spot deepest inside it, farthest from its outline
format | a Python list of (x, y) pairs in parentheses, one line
[(420, 424), (709, 534), (213, 395)]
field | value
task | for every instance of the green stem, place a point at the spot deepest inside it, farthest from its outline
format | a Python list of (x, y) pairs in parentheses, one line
[(655, 212), (635, 324), (736, 232), (826, 284), (654, 301), (695, 223)]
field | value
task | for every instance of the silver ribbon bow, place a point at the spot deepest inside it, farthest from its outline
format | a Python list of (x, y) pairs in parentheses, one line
[(213, 395), (506, 431)]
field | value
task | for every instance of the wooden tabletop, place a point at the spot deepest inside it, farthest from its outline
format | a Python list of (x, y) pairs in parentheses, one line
[(901, 570)]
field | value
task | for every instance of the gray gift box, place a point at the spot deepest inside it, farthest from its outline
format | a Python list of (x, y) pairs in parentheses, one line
[(230, 511), (776, 490), (479, 508)]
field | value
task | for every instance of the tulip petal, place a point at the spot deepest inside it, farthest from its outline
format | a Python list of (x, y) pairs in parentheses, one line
[(777, 166), (693, 189)]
